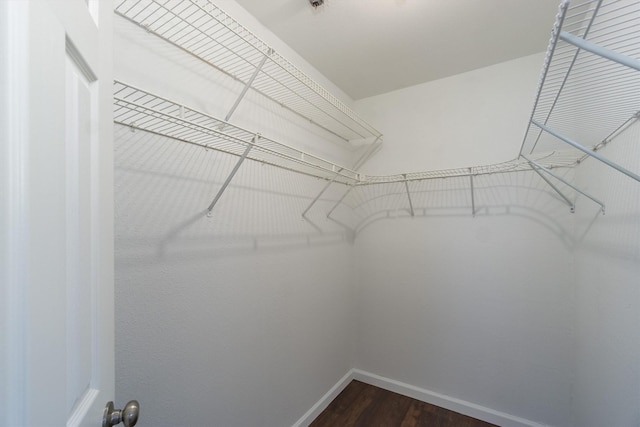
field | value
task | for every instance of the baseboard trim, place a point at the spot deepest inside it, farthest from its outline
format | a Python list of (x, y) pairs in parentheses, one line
[(451, 403), (322, 404), (444, 401)]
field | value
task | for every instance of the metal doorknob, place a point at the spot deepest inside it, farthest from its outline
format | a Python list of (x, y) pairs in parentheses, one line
[(127, 416)]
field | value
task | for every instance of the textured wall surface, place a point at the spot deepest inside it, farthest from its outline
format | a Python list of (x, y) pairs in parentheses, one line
[(526, 308), (607, 271), (479, 309), (238, 319), (470, 119), (246, 318)]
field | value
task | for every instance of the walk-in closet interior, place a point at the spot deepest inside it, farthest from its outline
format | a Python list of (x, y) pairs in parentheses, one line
[(471, 240)]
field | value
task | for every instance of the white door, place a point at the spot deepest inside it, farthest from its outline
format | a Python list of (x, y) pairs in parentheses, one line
[(56, 238)]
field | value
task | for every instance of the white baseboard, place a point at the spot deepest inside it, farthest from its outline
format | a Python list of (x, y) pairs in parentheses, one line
[(444, 401), (322, 404), (451, 403)]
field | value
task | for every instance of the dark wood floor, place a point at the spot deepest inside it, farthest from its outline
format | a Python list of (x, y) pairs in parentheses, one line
[(363, 405)]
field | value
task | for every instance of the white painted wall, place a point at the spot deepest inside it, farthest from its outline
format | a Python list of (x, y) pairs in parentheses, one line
[(478, 309), (249, 317), (470, 119), (607, 291), (242, 319), (525, 309)]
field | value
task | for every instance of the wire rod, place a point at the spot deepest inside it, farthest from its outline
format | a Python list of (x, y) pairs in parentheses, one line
[(313, 202), (560, 193), (473, 199), (232, 174), (406, 186), (601, 51), (587, 151), (246, 88), (564, 181)]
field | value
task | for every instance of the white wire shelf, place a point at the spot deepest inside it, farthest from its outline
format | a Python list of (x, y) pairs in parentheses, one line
[(583, 96), (140, 109), (143, 110), (203, 30), (552, 160)]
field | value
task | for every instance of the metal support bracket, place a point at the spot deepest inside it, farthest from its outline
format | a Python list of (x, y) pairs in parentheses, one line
[(313, 202), (600, 51), (587, 151), (246, 87), (572, 207), (361, 161), (473, 199), (534, 164), (406, 186), (232, 174)]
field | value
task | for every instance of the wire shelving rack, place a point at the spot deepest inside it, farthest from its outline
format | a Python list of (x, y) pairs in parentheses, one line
[(205, 31), (139, 109), (589, 91)]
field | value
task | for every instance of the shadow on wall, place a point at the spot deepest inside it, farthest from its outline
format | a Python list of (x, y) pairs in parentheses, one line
[(163, 188), (521, 194), (617, 235), (172, 66)]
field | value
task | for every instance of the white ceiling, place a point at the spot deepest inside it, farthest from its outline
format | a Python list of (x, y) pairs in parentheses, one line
[(369, 47)]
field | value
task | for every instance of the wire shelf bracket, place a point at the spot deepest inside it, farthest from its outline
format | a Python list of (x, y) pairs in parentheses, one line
[(535, 165), (572, 207), (473, 199), (406, 186), (232, 174), (325, 188), (587, 151), (357, 165), (246, 87)]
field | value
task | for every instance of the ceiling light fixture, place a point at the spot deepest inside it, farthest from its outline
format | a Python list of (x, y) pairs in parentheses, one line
[(316, 3)]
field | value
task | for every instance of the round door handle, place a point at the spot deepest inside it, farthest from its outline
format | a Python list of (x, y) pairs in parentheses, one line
[(127, 416)]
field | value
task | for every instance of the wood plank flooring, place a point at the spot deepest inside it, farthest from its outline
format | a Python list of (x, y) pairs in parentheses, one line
[(364, 405)]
